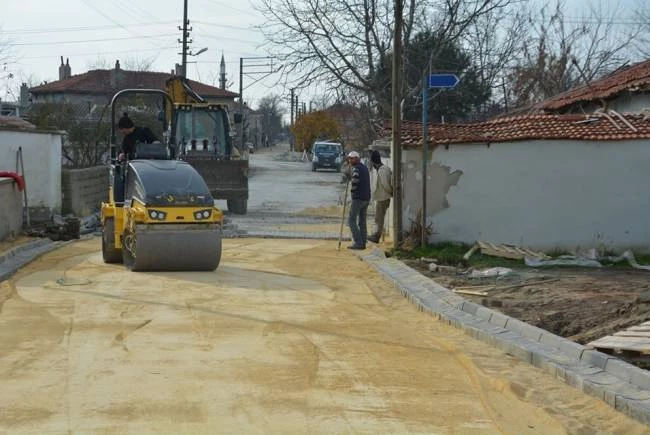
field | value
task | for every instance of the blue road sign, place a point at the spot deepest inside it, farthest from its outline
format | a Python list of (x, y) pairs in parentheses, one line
[(443, 80)]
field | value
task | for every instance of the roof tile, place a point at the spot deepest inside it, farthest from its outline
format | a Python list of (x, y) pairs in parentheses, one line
[(595, 127), (634, 78), (100, 82)]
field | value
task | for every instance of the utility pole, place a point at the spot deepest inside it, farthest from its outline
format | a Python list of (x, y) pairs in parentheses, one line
[(241, 101), (266, 71), (184, 41), (425, 150), (396, 125), (292, 101)]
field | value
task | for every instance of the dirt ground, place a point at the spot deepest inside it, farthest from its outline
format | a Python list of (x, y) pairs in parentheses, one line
[(579, 304), (287, 336)]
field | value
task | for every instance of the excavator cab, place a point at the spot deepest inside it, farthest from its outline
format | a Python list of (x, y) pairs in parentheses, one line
[(160, 214)]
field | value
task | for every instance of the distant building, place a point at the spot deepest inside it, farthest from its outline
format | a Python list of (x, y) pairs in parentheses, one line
[(94, 89)]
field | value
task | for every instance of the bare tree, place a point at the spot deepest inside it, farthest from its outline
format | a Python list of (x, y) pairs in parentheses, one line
[(560, 54), (129, 64), (341, 44), (272, 109), (493, 42)]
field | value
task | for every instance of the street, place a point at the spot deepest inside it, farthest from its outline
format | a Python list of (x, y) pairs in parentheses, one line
[(286, 336)]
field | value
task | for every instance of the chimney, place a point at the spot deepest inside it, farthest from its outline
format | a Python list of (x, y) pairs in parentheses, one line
[(61, 70), (68, 71), (179, 70), (24, 95), (116, 75), (222, 73)]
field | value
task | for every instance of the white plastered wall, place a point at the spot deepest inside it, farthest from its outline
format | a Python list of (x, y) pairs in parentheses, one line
[(536, 194), (42, 162)]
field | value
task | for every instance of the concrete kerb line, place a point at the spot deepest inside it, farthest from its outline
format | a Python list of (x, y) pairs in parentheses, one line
[(621, 385), (13, 260)]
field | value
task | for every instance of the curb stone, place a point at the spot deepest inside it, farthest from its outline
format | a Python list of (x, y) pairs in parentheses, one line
[(22, 255), (621, 385)]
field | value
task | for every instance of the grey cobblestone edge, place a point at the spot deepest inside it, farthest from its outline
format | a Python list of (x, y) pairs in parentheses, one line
[(22, 255), (621, 385)]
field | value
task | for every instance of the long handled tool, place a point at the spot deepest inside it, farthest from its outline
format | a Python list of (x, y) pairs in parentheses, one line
[(345, 202)]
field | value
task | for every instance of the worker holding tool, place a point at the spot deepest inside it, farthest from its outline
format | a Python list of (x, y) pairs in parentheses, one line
[(132, 135), (381, 193), (360, 191)]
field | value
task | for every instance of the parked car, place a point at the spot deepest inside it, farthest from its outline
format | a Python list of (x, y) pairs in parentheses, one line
[(327, 155), (250, 147)]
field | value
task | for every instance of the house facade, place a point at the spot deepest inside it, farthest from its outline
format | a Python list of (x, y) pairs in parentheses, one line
[(542, 182), (94, 89), (569, 175)]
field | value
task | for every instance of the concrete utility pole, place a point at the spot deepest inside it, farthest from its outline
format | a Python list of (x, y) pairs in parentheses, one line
[(184, 41), (396, 126)]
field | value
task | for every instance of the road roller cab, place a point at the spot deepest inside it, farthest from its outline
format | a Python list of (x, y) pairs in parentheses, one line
[(160, 214)]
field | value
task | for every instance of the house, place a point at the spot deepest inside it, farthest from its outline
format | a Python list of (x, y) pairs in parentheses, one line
[(41, 160), (570, 175), (625, 90), (94, 89)]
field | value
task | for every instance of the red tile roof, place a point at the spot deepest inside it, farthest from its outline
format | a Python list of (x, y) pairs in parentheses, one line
[(596, 127), (99, 82), (15, 123), (632, 78)]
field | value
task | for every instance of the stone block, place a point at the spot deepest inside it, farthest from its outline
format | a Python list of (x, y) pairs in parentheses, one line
[(484, 313), (524, 329), (595, 358), (470, 307), (565, 346), (499, 319), (639, 409)]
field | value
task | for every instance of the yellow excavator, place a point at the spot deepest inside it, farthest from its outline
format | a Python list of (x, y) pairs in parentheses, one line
[(203, 138), (160, 214)]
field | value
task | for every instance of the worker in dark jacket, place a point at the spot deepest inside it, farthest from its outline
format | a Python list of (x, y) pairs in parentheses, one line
[(133, 135), (360, 190)]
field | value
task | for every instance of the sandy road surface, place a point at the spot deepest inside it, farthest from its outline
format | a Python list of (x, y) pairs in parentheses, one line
[(285, 337)]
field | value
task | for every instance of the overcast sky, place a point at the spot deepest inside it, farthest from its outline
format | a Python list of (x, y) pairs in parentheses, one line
[(94, 33)]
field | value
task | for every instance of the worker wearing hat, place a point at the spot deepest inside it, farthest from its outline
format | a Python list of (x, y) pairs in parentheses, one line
[(132, 135), (360, 191)]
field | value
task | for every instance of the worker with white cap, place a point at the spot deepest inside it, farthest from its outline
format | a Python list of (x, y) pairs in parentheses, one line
[(360, 191)]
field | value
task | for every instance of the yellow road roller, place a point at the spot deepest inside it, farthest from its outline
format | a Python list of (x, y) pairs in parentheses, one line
[(160, 214)]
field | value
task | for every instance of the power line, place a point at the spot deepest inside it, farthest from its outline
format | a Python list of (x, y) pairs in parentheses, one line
[(92, 40), (80, 28)]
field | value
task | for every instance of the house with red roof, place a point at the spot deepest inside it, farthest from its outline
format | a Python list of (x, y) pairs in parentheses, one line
[(94, 89), (570, 174)]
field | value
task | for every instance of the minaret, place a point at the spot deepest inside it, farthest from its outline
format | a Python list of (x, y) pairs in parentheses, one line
[(222, 73)]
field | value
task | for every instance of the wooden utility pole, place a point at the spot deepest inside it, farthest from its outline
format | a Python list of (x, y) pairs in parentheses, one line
[(292, 102), (396, 125)]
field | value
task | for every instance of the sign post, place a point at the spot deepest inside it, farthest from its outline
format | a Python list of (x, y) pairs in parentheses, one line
[(431, 81)]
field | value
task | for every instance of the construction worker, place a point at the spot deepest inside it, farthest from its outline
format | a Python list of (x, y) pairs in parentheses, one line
[(132, 135)]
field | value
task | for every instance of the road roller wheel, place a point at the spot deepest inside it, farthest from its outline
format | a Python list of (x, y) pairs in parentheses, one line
[(109, 253)]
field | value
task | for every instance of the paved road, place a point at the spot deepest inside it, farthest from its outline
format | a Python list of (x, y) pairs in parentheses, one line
[(287, 198), (287, 336)]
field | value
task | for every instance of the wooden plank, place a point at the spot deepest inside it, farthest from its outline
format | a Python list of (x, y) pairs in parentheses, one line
[(628, 333), (639, 328), (470, 292), (622, 343)]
